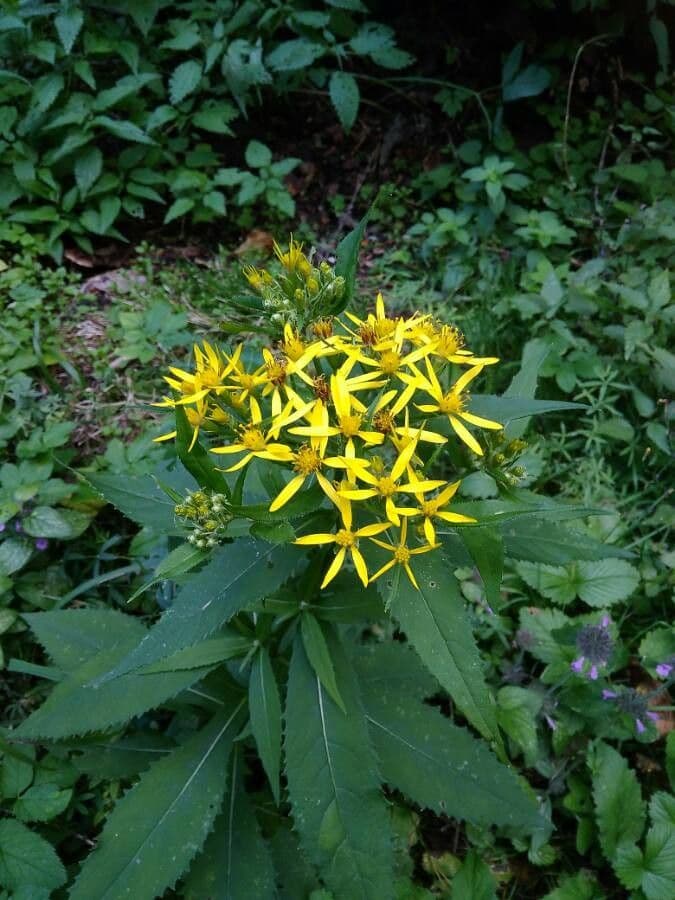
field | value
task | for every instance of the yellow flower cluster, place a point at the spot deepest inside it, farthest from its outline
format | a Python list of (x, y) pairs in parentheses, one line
[(348, 407)]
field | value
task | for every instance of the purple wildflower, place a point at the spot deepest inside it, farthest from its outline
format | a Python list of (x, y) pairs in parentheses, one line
[(550, 722), (664, 669), (640, 726), (633, 704), (595, 645), (18, 527), (609, 695), (41, 544), (2, 526)]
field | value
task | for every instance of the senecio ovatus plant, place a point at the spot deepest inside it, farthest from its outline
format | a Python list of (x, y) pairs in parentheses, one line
[(273, 718)]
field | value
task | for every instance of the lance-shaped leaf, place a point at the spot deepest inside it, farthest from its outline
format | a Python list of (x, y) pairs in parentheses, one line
[(235, 863), (138, 497), (506, 409), (265, 711), (347, 261), (157, 828), (334, 788), (437, 625), (72, 636), (207, 653), (239, 574), (547, 542), (486, 548), (440, 765), (318, 655), (75, 706)]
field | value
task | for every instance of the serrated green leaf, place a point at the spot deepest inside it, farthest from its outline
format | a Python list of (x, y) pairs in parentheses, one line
[(294, 54), (181, 206), (42, 802), (553, 582), (535, 633), (508, 409), (124, 130), (184, 80), (474, 879), (64, 524), (138, 497), (238, 574), (16, 771), (439, 765), (393, 666), (68, 24), (156, 829), (347, 261), (345, 97), (486, 547), (577, 887), (265, 712), (73, 636), (27, 859), (235, 863), (215, 118), (316, 648), (258, 155), (606, 581), (348, 605), (207, 653), (14, 554), (517, 711), (88, 166), (658, 876), (122, 758), (553, 544), (338, 809), (619, 808), (662, 809), (76, 707), (437, 625)]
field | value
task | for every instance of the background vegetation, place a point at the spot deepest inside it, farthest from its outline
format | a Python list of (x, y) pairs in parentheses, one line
[(522, 163)]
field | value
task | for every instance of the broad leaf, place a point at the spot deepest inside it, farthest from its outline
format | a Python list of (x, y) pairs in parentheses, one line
[(27, 860), (238, 574), (184, 80), (654, 870), (265, 712), (606, 581), (159, 825), (235, 863), (619, 808), (333, 784), (391, 667), (348, 604), (441, 766), (437, 625), (474, 879), (345, 97)]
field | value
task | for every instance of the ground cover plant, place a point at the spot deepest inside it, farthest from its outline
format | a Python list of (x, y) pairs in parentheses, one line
[(534, 220)]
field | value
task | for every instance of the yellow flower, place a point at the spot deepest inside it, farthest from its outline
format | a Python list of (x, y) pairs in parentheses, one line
[(242, 380), (257, 278), (401, 555), (255, 441), (433, 509), (386, 486), (308, 461), (347, 541), (196, 417), (293, 260), (375, 328), (349, 424), (452, 403), (292, 345)]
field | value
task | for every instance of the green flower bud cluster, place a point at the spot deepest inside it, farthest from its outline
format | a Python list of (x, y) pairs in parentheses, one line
[(302, 292), (208, 515)]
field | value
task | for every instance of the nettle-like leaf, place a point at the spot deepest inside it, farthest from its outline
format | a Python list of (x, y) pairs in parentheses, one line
[(345, 97), (184, 80), (553, 544), (333, 784), (653, 871), (76, 707), (436, 623), (431, 760), (238, 574), (619, 807), (28, 860), (235, 863), (156, 829), (486, 548)]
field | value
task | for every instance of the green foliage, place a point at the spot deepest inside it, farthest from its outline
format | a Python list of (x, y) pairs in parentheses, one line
[(114, 115)]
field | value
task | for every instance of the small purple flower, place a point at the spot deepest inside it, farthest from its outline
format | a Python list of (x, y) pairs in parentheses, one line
[(640, 726), (2, 526), (18, 527), (41, 544), (664, 669), (595, 646), (633, 704), (550, 722), (609, 695)]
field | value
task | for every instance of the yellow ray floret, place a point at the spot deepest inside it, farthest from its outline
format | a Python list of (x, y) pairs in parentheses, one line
[(401, 555), (434, 509), (347, 541)]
